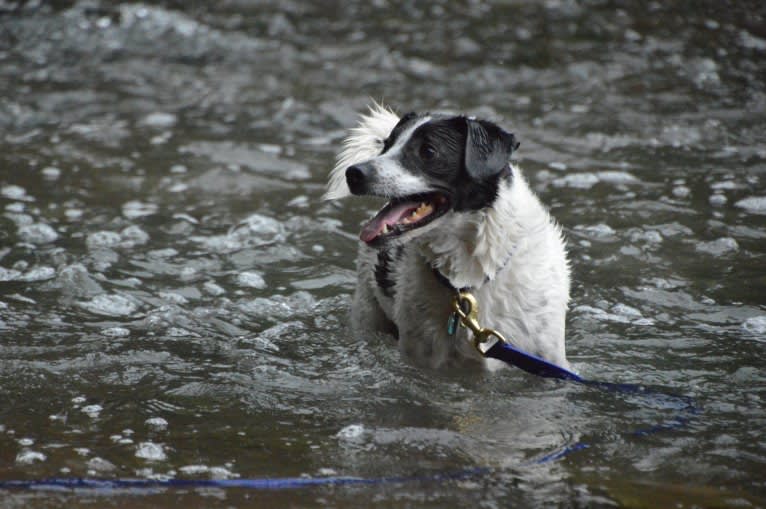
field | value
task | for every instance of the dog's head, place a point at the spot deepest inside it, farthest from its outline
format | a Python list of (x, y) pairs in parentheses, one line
[(427, 165)]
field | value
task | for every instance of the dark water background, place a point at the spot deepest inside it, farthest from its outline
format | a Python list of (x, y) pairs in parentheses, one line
[(173, 293)]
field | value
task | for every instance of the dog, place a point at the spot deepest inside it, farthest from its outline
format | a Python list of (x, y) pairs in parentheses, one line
[(459, 216)]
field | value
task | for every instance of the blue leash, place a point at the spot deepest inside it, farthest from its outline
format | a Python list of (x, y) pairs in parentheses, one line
[(500, 350)]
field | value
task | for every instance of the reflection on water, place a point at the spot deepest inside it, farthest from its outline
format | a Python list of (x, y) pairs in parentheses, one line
[(173, 293)]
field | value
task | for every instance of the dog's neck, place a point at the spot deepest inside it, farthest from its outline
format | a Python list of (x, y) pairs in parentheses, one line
[(478, 245)]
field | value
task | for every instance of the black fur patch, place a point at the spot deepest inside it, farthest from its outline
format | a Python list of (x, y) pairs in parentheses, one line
[(384, 269), (461, 157)]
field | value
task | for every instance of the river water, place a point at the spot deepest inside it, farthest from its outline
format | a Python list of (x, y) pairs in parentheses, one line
[(174, 293)]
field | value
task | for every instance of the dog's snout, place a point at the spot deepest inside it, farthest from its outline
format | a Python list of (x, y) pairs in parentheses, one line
[(356, 177)]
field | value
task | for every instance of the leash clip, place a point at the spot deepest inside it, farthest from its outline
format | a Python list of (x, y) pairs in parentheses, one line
[(465, 307)]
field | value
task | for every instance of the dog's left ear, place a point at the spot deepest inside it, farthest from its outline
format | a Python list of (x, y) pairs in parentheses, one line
[(487, 148)]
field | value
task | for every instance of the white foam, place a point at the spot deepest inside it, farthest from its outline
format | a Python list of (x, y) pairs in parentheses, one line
[(753, 204), (586, 180), (213, 289), (157, 423), (51, 172), (92, 410), (102, 239), (38, 233), (194, 469), (110, 305), (159, 119), (116, 332), (26, 441), (251, 279), (135, 209), (718, 246), (12, 192), (350, 432), (151, 451), (755, 325), (29, 457), (39, 274), (100, 464)]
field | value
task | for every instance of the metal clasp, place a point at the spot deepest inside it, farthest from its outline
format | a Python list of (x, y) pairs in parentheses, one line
[(466, 308)]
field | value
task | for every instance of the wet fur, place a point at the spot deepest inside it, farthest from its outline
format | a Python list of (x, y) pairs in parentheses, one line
[(508, 250)]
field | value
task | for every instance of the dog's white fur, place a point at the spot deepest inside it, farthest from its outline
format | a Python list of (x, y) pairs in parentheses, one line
[(511, 254)]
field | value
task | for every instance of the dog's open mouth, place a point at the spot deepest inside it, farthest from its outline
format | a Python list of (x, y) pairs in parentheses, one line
[(401, 215)]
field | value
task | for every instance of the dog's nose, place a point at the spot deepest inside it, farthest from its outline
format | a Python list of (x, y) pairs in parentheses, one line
[(356, 178)]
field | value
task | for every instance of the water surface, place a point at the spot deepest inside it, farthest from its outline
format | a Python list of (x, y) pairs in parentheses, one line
[(174, 293)]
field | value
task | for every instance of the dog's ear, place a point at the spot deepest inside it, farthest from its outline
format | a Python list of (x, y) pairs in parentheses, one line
[(487, 148)]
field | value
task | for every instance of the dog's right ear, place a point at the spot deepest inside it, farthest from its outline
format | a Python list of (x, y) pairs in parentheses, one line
[(488, 148)]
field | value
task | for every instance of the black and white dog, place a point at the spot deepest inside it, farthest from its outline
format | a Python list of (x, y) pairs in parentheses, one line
[(459, 216)]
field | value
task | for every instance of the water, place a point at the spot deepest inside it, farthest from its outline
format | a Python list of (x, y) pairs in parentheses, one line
[(174, 294)]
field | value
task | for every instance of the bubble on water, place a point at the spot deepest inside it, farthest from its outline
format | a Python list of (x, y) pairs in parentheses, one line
[(280, 306), (596, 231), (38, 233), (588, 179), (135, 209), (750, 41), (755, 325), (151, 451), (301, 201), (194, 469), (251, 279), (173, 297), (326, 471), (681, 191), (255, 230), (159, 119), (726, 185), (133, 236), (102, 239), (78, 400), (75, 281), (12, 192), (92, 410), (39, 274), (73, 214), (350, 432), (753, 204), (110, 305), (82, 451), (222, 473), (213, 289), (29, 457), (100, 465), (115, 332), (648, 236), (157, 423), (178, 168), (51, 172), (178, 187), (718, 247), (16, 207), (317, 248), (558, 166), (9, 274), (717, 200), (26, 442)]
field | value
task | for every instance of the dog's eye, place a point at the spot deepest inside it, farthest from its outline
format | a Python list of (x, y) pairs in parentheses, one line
[(427, 151)]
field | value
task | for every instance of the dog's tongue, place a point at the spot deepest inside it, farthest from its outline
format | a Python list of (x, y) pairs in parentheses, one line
[(388, 216)]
